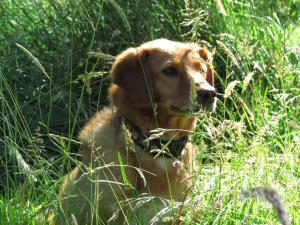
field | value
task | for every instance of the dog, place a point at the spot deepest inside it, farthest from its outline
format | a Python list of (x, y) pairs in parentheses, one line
[(140, 145)]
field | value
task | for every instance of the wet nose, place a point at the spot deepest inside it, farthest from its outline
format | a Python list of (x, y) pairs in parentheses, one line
[(206, 96)]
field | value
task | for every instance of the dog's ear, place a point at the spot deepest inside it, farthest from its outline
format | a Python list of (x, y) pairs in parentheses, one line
[(206, 56), (131, 73)]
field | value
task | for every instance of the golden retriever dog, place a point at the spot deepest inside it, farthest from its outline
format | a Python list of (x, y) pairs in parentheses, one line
[(140, 146)]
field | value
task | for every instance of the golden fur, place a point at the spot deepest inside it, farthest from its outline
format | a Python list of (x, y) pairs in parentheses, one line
[(153, 86)]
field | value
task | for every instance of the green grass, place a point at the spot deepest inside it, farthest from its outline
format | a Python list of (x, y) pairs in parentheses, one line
[(51, 85)]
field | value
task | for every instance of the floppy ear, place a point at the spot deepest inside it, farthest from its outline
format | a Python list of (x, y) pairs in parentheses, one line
[(130, 72), (204, 54)]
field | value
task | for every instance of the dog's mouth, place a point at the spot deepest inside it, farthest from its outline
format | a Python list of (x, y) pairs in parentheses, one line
[(206, 106), (195, 107), (179, 110)]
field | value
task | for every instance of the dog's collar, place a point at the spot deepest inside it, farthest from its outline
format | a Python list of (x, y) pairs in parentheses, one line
[(155, 146)]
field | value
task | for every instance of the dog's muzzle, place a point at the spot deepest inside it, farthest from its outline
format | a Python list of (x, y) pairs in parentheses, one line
[(206, 98)]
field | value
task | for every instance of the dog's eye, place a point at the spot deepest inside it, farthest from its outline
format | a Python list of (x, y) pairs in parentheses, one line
[(171, 71)]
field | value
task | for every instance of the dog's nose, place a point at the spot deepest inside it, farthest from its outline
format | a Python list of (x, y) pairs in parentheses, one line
[(206, 96)]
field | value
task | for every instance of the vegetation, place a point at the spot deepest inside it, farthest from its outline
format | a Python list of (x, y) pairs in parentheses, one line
[(55, 58)]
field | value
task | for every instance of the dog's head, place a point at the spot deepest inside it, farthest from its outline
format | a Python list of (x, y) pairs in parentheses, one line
[(177, 76)]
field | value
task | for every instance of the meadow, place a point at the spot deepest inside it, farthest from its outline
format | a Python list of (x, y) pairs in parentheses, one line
[(55, 59)]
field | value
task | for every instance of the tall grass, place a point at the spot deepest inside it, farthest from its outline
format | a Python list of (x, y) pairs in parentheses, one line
[(51, 85)]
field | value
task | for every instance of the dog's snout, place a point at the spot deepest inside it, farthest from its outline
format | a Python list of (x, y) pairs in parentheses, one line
[(206, 96)]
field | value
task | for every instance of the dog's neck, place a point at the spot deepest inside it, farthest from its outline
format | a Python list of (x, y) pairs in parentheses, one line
[(179, 125), (153, 144), (142, 121), (148, 119)]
